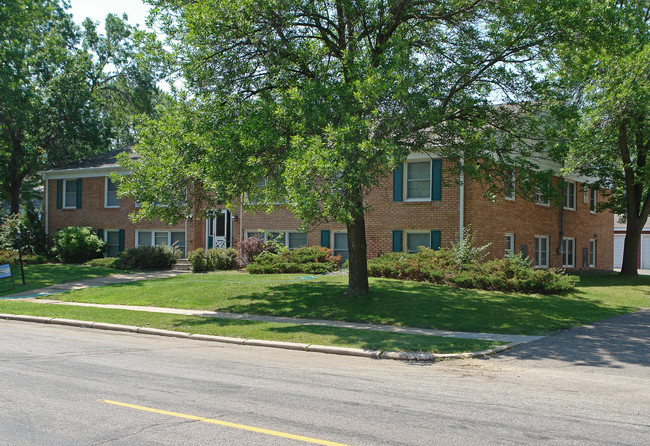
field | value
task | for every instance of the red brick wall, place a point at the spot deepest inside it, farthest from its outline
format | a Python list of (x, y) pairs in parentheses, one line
[(489, 220), (94, 214)]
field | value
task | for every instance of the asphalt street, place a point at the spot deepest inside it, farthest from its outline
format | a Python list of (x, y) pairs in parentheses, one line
[(72, 386)]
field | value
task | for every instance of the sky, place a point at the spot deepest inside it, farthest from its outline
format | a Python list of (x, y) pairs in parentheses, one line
[(97, 10)]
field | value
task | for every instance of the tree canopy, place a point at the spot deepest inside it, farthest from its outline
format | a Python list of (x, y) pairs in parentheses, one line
[(601, 92), (318, 101), (65, 92)]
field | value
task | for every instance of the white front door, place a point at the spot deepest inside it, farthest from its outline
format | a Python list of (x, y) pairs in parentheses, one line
[(218, 230)]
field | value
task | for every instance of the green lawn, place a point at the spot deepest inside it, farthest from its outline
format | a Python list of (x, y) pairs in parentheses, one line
[(390, 302), (39, 276), (340, 337)]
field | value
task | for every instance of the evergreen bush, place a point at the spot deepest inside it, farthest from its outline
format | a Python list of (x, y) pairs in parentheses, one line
[(147, 258), (309, 260), (219, 259)]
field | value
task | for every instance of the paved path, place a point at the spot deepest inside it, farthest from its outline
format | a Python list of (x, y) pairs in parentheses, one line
[(97, 281)]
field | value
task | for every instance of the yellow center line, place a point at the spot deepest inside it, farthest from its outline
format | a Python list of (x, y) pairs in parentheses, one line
[(227, 424)]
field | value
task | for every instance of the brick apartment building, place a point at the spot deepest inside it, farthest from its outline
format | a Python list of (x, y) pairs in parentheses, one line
[(415, 206)]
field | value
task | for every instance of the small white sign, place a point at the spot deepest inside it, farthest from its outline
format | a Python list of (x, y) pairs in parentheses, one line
[(5, 271)]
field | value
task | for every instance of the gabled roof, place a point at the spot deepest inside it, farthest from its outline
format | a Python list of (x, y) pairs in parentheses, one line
[(96, 165), (101, 160)]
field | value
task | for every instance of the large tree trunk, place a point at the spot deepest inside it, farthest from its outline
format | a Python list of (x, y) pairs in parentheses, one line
[(358, 276), (14, 196), (631, 247)]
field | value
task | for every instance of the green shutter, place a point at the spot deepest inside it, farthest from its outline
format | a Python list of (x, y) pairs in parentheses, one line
[(397, 241), (210, 242), (435, 240), (436, 180), (59, 194), (121, 241), (100, 233), (398, 183), (325, 238), (79, 193)]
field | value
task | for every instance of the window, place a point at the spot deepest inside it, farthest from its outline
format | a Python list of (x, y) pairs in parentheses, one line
[(341, 245), (509, 245), (110, 199), (112, 239), (70, 191), (568, 252), (569, 196), (510, 185), (593, 200), (416, 239), (592, 253), (585, 194), (158, 238), (541, 251), (540, 198), (296, 240), (290, 239), (418, 180)]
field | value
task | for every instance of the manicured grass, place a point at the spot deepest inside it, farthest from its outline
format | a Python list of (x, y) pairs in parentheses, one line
[(391, 302), (39, 276), (341, 337)]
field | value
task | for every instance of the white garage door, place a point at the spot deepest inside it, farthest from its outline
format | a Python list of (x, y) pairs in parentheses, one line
[(645, 251), (619, 242)]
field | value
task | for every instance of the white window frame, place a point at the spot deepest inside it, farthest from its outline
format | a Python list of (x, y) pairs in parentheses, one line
[(152, 232), (65, 188), (540, 199), (405, 240), (406, 175), (593, 246), (106, 181), (570, 206), (593, 200), (285, 238), (511, 185), (566, 261), (511, 251), (538, 252)]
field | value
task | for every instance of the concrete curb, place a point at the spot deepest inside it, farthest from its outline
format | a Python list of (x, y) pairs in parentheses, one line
[(373, 354)]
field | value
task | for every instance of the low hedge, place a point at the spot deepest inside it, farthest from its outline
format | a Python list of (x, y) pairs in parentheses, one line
[(219, 259), (147, 258), (308, 260), (508, 274), (11, 257)]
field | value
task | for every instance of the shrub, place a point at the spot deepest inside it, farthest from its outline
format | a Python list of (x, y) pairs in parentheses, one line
[(218, 259), (148, 257), (32, 233), (76, 244), (104, 262), (465, 251), (197, 262), (310, 260), (440, 267), (250, 248), (221, 259), (11, 257)]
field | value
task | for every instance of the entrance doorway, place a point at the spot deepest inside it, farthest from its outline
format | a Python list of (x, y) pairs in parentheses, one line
[(219, 229)]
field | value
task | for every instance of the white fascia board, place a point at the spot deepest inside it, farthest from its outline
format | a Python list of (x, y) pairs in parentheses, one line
[(82, 173)]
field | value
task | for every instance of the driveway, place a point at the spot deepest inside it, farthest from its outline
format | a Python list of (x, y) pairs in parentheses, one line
[(620, 344)]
